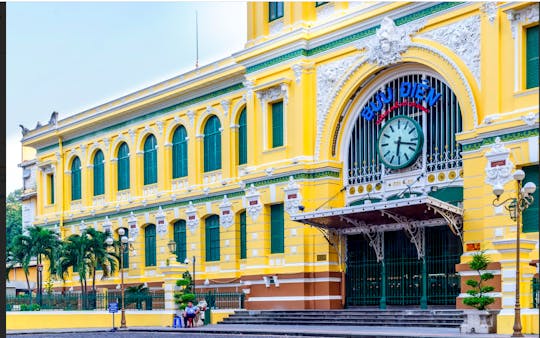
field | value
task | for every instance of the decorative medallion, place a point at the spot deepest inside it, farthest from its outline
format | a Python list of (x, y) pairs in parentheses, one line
[(161, 222), (499, 167), (226, 218), (253, 203), (132, 225), (192, 220), (107, 225), (292, 198)]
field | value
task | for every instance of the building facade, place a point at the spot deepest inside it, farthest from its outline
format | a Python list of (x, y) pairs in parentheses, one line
[(345, 157)]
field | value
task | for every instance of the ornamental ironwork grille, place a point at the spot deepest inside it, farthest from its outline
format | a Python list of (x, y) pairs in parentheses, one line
[(440, 125)]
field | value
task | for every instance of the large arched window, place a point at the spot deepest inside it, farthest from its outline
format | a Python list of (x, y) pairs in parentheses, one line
[(212, 238), (212, 144), (242, 138), (180, 239), (179, 153), (150, 160), (150, 245), (243, 235), (76, 179), (99, 174), (123, 167)]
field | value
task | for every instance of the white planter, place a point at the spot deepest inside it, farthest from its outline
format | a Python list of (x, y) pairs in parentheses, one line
[(479, 321)]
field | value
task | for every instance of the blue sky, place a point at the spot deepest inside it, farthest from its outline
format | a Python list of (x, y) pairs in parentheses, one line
[(70, 57)]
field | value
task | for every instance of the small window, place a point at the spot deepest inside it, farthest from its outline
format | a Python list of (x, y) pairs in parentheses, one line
[(180, 239), (50, 181), (150, 160), (320, 3), (242, 138), (277, 124), (532, 63), (179, 153), (243, 235), (275, 10), (99, 174), (212, 238), (277, 229), (212, 144), (123, 167), (76, 179), (530, 215), (150, 245)]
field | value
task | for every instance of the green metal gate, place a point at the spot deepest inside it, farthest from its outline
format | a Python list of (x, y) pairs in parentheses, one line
[(403, 269)]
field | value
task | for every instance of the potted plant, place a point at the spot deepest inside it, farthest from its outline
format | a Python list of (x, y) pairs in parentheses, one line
[(480, 320)]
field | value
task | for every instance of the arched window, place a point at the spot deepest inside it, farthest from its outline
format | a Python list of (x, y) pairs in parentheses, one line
[(76, 179), (123, 167), (242, 138), (212, 238), (212, 144), (150, 245), (243, 235), (180, 239), (179, 153), (99, 174), (150, 160)]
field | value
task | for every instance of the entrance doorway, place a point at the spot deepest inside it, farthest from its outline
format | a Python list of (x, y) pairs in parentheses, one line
[(403, 271)]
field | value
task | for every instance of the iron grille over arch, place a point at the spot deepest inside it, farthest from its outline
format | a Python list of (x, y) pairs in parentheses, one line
[(386, 99)]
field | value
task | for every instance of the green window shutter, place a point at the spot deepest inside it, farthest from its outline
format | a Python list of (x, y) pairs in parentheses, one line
[(180, 239), (51, 190), (125, 257), (532, 63), (212, 144), (150, 160), (123, 167), (242, 138), (99, 173), (243, 235), (150, 245), (179, 159), (277, 124), (76, 179), (530, 215), (277, 229), (275, 10), (212, 238)]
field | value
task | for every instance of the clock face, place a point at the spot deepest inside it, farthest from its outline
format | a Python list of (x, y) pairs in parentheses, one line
[(400, 142)]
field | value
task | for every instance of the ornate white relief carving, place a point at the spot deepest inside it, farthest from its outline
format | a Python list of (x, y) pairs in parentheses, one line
[(292, 198), (273, 94), (523, 16), (161, 223), (276, 26), (131, 133), (82, 226), (253, 203), (499, 167), (248, 84), (530, 119), (463, 38), (226, 218), (192, 219), (325, 11), (191, 116), (159, 125), (107, 225), (489, 9), (297, 69), (132, 225), (389, 42), (225, 104), (107, 142)]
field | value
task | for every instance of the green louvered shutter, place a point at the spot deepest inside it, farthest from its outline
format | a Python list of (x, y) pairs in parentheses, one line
[(125, 257), (277, 124), (212, 238), (150, 160), (150, 245), (532, 57), (123, 167), (180, 153), (180, 239), (99, 173), (51, 193), (530, 215), (277, 229), (243, 235), (76, 179), (242, 138), (212, 144)]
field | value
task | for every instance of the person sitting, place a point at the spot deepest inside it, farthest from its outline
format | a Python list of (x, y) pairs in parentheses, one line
[(189, 314)]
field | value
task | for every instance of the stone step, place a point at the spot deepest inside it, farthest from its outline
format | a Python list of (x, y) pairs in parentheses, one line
[(350, 314), (372, 323)]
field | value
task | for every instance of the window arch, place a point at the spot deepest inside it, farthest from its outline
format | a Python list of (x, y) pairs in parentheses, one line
[(212, 238), (150, 160), (242, 138), (179, 153), (76, 179), (99, 173), (150, 245), (212, 144), (123, 167), (180, 239)]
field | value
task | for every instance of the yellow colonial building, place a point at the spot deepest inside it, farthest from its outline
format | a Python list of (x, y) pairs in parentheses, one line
[(346, 157)]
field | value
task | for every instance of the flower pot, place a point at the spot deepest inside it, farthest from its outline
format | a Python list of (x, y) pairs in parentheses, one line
[(479, 321)]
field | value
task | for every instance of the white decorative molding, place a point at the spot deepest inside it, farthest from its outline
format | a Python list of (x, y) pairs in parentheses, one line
[(499, 167), (248, 84), (297, 69), (389, 42), (522, 16), (253, 203), (107, 225), (131, 133), (273, 94), (226, 218), (132, 225), (82, 226), (192, 220), (225, 105), (191, 116), (276, 26), (463, 38), (292, 198), (530, 119), (489, 8), (161, 223), (325, 11), (159, 125)]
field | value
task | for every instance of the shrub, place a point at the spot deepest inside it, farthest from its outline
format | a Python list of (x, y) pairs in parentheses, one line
[(477, 298)]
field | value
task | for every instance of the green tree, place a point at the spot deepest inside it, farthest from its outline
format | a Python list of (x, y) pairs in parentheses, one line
[(185, 294), (43, 243), (76, 253), (137, 294), (13, 215), (100, 256), (478, 298), (19, 255)]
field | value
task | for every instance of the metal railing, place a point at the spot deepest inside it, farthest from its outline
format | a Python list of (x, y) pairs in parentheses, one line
[(222, 300), (152, 300)]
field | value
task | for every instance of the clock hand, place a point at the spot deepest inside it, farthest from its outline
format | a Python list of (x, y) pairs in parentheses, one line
[(398, 144), (409, 143)]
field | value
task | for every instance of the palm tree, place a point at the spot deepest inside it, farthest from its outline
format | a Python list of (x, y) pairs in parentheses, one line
[(19, 254), (137, 294), (43, 243), (76, 253), (100, 256)]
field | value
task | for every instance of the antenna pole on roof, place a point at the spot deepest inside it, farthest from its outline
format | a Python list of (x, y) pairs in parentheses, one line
[(196, 40)]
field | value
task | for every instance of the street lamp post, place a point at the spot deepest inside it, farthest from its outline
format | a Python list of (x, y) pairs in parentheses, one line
[(515, 207), (124, 245)]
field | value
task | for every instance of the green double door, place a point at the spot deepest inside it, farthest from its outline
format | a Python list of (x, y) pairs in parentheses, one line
[(402, 271)]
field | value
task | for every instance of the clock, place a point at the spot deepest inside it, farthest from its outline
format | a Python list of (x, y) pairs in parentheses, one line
[(400, 142)]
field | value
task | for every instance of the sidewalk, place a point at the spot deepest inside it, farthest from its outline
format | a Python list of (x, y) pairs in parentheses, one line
[(295, 330)]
